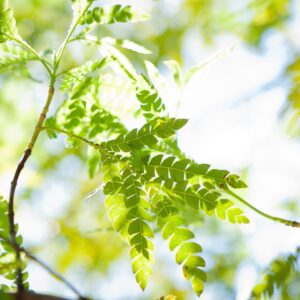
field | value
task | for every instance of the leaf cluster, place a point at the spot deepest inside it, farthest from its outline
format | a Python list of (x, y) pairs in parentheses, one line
[(110, 14), (147, 179), (7, 21), (276, 277), (7, 254), (14, 58)]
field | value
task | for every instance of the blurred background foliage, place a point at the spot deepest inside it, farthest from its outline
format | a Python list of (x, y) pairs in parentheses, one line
[(61, 211)]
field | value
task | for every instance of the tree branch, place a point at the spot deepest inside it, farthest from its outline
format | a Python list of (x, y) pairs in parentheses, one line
[(28, 295), (26, 155)]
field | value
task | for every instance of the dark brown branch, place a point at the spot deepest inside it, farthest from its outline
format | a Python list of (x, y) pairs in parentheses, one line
[(11, 217), (26, 155)]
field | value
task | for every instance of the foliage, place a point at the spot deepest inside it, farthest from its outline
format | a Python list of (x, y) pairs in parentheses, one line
[(13, 58), (293, 105), (133, 178), (135, 172), (266, 15), (113, 14), (276, 277), (7, 21), (7, 255)]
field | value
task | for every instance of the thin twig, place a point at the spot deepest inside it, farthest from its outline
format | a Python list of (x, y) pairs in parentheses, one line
[(26, 155), (53, 273)]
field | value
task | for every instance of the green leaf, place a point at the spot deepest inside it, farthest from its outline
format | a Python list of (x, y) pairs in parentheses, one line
[(235, 181), (117, 211), (156, 78), (75, 78), (13, 58), (125, 44), (208, 200), (113, 186), (131, 188), (196, 196), (150, 102), (119, 59), (198, 285), (85, 117), (139, 231), (113, 14), (7, 22), (225, 209), (176, 70), (171, 224), (194, 262), (174, 228), (276, 276), (222, 178), (173, 176), (138, 225), (142, 265), (180, 235), (51, 122), (164, 208), (127, 209), (7, 254), (187, 249), (171, 168), (94, 161), (101, 120), (145, 136)]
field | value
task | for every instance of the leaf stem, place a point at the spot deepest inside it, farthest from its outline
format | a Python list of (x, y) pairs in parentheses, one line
[(70, 134), (25, 45), (63, 46), (276, 219)]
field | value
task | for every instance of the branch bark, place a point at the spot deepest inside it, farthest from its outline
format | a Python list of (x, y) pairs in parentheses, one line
[(26, 155), (25, 295)]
